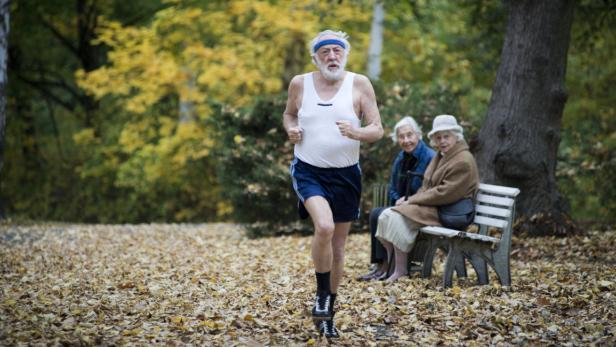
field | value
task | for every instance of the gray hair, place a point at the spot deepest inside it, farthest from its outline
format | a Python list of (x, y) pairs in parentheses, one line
[(340, 35), (457, 133), (406, 121)]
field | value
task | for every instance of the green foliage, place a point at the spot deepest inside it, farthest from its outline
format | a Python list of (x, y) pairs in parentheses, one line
[(157, 181), (254, 158), (446, 43), (587, 156)]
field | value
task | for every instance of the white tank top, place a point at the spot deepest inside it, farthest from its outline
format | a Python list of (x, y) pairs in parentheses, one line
[(322, 144)]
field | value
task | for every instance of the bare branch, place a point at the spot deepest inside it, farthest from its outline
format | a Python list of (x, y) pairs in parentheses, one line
[(38, 85), (66, 42)]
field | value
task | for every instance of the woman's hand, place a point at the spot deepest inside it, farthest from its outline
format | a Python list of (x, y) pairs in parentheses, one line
[(402, 201)]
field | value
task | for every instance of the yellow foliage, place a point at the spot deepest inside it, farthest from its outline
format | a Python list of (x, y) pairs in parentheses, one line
[(233, 51), (238, 139), (167, 126), (133, 136), (223, 209)]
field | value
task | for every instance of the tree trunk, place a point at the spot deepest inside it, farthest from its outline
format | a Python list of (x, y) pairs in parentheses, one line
[(376, 41), (518, 142), (4, 38), (187, 105)]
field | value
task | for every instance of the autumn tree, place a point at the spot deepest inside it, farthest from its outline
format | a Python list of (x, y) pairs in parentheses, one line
[(519, 139), (47, 106)]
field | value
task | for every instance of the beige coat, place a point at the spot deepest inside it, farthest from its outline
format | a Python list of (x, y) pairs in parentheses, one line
[(447, 179)]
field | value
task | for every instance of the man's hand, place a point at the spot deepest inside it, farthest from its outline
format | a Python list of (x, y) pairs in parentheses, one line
[(346, 129), (295, 134)]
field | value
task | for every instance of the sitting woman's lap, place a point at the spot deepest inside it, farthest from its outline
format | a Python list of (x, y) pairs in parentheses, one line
[(397, 229)]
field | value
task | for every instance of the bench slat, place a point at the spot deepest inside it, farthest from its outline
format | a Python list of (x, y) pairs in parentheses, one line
[(493, 211), (501, 190), (440, 231), (495, 200), (493, 222), (479, 237)]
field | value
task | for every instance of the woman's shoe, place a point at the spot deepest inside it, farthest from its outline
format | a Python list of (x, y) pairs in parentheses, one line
[(381, 277), (390, 270), (394, 277), (370, 275)]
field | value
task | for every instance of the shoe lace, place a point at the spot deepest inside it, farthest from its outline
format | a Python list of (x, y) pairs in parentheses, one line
[(328, 327), (323, 302), (326, 303)]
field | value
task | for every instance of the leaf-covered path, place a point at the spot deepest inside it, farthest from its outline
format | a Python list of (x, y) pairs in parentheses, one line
[(209, 285)]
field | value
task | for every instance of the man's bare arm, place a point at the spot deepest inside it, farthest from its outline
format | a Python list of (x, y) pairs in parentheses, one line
[(289, 116), (372, 130)]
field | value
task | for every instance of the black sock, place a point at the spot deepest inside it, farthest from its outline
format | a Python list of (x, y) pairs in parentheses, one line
[(323, 282), (332, 300)]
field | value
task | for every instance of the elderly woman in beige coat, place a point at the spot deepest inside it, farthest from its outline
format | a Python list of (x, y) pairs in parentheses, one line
[(452, 175)]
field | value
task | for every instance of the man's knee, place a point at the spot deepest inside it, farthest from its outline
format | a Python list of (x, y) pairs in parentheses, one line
[(324, 229)]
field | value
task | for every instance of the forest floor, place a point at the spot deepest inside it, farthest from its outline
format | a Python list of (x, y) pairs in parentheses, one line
[(207, 284)]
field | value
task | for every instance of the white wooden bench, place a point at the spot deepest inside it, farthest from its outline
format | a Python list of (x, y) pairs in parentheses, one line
[(495, 211)]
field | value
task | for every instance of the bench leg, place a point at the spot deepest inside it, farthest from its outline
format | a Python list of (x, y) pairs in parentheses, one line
[(481, 268), (450, 263), (429, 257), (460, 267), (501, 267)]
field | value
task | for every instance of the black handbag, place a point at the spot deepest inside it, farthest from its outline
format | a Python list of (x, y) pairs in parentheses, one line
[(457, 215)]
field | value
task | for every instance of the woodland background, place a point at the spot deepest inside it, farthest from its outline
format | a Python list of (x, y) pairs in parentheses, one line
[(121, 114), (170, 111)]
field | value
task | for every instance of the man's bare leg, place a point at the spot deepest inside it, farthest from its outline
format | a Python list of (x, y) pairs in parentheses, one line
[(323, 221), (341, 231), (322, 255)]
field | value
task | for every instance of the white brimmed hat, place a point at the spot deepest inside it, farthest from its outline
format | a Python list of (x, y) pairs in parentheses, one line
[(444, 122)]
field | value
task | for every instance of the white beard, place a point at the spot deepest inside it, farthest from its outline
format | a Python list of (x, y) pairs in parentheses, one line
[(332, 75)]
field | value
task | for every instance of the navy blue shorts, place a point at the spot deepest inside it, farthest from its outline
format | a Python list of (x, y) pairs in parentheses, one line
[(341, 187)]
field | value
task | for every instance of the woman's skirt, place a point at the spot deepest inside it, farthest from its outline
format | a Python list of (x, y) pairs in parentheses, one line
[(397, 229)]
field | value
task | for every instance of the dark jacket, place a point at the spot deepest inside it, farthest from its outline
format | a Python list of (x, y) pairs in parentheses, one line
[(423, 154)]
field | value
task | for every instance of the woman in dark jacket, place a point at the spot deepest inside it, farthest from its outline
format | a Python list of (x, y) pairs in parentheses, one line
[(415, 156)]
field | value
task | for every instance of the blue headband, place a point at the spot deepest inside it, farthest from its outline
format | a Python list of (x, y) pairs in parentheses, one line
[(328, 42)]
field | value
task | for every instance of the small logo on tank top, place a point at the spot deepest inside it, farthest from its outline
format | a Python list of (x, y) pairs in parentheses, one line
[(320, 104)]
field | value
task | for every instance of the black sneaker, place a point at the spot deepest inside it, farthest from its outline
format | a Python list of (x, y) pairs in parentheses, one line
[(328, 329), (322, 308)]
